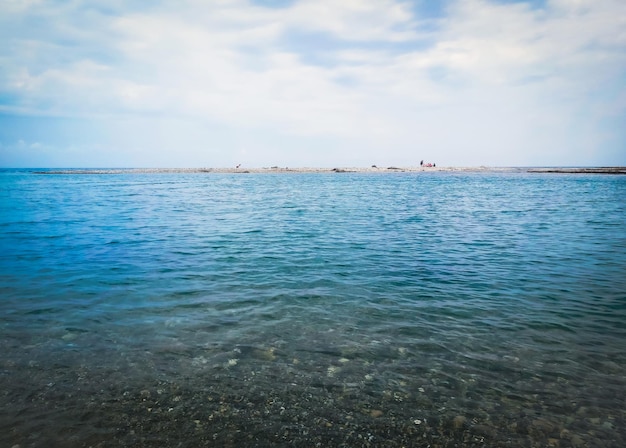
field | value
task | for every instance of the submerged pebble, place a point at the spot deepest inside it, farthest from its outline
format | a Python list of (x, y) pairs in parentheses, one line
[(459, 422)]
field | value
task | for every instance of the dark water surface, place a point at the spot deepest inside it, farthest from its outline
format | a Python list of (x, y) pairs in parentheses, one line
[(415, 309)]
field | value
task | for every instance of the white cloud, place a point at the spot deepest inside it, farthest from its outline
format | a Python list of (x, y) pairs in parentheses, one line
[(375, 20), (502, 83)]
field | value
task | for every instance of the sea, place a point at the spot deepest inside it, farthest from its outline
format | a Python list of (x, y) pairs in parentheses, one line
[(396, 309)]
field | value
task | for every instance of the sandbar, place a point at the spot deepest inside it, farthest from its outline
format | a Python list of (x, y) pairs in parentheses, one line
[(371, 169)]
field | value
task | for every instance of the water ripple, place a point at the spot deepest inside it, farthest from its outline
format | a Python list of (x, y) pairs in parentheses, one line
[(495, 299)]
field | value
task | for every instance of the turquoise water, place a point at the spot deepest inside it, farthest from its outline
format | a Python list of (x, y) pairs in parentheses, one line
[(354, 309)]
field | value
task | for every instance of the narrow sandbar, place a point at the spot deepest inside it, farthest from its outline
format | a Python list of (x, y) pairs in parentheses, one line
[(372, 169)]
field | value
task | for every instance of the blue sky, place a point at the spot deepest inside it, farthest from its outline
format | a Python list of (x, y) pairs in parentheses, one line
[(193, 83)]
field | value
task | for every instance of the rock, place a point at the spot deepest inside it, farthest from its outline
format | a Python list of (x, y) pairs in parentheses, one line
[(484, 430), (458, 422), (375, 413), (542, 426), (607, 425), (266, 354), (577, 441)]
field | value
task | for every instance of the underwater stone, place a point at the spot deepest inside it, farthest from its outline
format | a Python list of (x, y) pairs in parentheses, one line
[(458, 422)]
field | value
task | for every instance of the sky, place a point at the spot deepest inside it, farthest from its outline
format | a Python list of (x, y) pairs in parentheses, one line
[(312, 83)]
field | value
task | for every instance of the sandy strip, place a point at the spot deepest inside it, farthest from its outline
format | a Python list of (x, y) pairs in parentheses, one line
[(390, 169), (588, 170), (373, 169)]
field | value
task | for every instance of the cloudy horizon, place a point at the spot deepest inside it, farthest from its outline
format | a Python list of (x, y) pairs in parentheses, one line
[(312, 83)]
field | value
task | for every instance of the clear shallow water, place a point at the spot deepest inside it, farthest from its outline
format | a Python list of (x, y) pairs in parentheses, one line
[(300, 309)]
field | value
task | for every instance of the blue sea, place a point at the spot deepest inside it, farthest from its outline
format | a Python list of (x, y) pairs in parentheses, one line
[(429, 309)]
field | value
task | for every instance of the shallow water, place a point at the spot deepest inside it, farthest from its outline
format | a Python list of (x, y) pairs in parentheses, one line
[(399, 309)]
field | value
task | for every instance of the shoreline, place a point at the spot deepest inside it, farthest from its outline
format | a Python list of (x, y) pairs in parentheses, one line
[(372, 169)]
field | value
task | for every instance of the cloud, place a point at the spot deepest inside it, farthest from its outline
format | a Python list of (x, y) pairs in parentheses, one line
[(498, 83), (377, 20)]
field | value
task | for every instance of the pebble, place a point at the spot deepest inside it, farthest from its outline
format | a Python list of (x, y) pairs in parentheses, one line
[(266, 354), (577, 441), (375, 413), (543, 426), (458, 422), (484, 430)]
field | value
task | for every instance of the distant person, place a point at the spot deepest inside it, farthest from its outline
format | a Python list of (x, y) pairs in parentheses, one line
[(421, 163)]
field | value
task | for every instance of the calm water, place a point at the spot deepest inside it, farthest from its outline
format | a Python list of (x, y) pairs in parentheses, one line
[(424, 309)]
